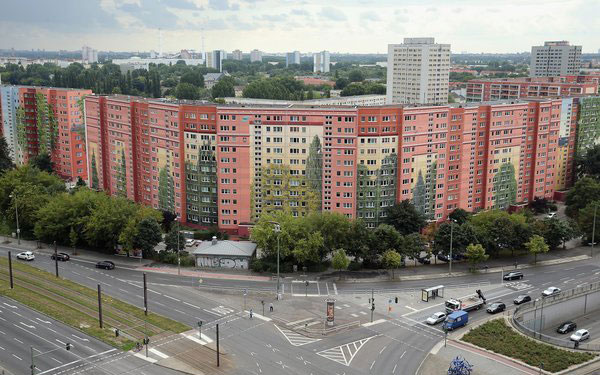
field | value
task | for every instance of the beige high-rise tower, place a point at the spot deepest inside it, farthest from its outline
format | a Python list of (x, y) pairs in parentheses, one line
[(418, 72)]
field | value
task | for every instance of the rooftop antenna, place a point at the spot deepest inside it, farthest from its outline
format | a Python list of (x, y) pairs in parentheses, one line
[(160, 42)]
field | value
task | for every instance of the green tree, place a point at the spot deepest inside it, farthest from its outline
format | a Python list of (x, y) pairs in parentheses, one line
[(588, 164), (104, 226), (405, 218), (459, 216), (475, 254), (353, 89), (80, 182), (187, 91), (585, 191), (585, 219), (224, 88), (462, 236), (309, 249), (385, 237), (341, 83), (95, 183), (193, 77), (414, 244), (43, 162), (73, 238), (356, 76), (557, 232), (171, 239), (391, 259), (537, 245), (148, 235), (5, 159), (340, 261)]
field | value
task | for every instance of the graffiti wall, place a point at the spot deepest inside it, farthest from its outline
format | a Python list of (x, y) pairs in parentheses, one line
[(222, 262)]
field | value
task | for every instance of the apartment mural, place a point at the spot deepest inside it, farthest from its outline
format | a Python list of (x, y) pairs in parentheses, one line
[(166, 184), (95, 179), (588, 124), (423, 178), (121, 177), (201, 178), (504, 182)]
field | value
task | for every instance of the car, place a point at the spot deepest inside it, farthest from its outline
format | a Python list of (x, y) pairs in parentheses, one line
[(515, 275), (63, 257), (522, 299), (189, 242), (496, 307), (566, 327), (424, 260), (26, 255), (436, 318), (106, 264), (456, 257), (580, 335), (442, 257), (551, 291), (551, 215)]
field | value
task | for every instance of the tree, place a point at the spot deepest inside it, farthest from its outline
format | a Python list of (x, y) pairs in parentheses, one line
[(168, 218), (148, 235), (391, 260), (585, 191), (585, 220), (462, 236), (353, 89), (43, 162), (404, 217), (537, 245), (341, 83), (385, 238), (309, 249), (5, 159), (459, 216), (194, 77), (80, 182), (103, 227), (340, 261), (557, 232), (539, 205), (187, 91), (356, 76), (475, 254), (414, 245), (588, 164), (171, 240), (224, 88)]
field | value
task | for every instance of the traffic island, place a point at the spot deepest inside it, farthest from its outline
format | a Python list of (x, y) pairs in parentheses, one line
[(498, 337)]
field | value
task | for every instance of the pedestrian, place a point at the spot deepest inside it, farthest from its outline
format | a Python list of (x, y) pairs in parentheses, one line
[(250, 313), (271, 307)]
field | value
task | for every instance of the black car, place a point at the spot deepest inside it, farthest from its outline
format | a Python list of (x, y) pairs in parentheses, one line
[(566, 327), (513, 276), (496, 307), (522, 299), (63, 257), (106, 264), (442, 257), (424, 260)]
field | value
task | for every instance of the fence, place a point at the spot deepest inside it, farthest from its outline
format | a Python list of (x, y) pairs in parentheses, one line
[(522, 316), (415, 290)]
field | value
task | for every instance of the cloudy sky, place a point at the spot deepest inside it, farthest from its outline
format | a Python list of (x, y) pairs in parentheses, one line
[(364, 26)]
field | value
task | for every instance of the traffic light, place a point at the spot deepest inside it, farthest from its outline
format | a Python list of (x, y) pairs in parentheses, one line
[(200, 323), (117, 332), (68, 346), (396, 299), (146, 341), (373, 306)]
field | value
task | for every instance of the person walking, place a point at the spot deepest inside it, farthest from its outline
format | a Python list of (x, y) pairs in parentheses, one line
[(271, 307), (250, 313)]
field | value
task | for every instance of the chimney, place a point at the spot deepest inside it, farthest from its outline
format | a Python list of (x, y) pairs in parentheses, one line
[(214, 240)]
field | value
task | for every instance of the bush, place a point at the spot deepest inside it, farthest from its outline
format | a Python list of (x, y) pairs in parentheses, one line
[(498, 337), (170, 257), (207, 235), (355, 266)]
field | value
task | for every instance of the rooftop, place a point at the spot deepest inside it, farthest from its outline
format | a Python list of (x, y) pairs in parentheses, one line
[(225, 248)]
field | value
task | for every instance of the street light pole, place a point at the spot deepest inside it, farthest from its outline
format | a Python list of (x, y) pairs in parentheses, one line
[(14, 195), (178, 258), (277, 229), (593, 231), (450, 259)]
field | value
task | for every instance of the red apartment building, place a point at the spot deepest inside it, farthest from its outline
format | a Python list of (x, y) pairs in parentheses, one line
[(226, 165), (479, 90)]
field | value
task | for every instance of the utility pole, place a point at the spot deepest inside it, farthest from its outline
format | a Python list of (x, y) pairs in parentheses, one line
[(147, 340), (200, 330), (450, 259), (145, 296), (593, 231), (218, 363), (245, 293), (372, 303), (178, 258), (10, 270), (32, 364), (14, 195), (100, 305), (55, 259)]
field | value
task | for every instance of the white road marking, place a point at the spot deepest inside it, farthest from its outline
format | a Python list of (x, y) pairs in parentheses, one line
[(372, 364), (354, 315), (11, 306), (17, 357), (56, 360), (1, 348), (402, 355), (27, 325), (335, 289), (378, 321), (394, 370), (411, 308), (174, 299), (124, 291), (568, 281), (149, 359), (158, 353), (298, 321), (338, 353), (382, 349), (294, 338), (194, 306), (17, 340), (44, 321), (153, 291), (80, 338), (70, 363)]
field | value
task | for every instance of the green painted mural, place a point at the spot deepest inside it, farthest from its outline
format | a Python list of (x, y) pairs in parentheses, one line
[(424, 190), (201, 187), (166, 191), (505, 186), (588, 123), (376, 190), (95, 183), (122, 176)]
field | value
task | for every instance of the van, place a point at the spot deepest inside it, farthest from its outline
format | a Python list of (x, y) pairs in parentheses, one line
[(456, 320)]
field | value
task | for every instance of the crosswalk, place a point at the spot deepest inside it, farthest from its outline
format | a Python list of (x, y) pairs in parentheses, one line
[(294, 338), (220, 311), (344, 354)]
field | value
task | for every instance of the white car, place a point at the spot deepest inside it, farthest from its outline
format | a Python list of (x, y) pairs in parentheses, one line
[(189, 242), (26, 255), (552, 291), (551, 215), (436, 318), (580, 335)]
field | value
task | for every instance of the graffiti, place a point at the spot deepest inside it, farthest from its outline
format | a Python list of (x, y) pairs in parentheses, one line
[(216, 262)]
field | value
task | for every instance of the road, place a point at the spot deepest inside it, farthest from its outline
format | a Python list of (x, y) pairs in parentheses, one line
[(397, 344), (23, 330)]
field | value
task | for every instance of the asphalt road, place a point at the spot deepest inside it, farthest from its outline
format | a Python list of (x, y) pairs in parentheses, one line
[(396, 345), (23, 330)]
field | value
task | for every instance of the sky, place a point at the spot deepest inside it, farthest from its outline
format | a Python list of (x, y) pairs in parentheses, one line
[(351, 26)]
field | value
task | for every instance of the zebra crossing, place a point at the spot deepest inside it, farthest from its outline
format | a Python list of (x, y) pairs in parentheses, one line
[(294, 338), (344, 354)]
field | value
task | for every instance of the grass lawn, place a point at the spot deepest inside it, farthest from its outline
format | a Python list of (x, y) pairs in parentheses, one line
[(77, 295), (498, 337)]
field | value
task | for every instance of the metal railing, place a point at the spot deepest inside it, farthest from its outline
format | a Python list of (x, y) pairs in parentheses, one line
[(413, 290)]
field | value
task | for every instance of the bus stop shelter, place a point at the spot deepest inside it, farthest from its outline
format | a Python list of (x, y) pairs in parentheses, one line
[(432, 293)]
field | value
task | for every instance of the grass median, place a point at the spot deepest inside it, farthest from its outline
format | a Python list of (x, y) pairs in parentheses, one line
[(78, 295), (498, 337)]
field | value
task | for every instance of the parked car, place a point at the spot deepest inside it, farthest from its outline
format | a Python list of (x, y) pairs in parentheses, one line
[(522, 299), (424, 260), (496, 307), (580, 335), (26, 255), (106, 264), (63, 257), (189, 242), (566, 327), (551, 291), (457, 257), (436, 318), (551, 215), (515, 275), (442, 257)]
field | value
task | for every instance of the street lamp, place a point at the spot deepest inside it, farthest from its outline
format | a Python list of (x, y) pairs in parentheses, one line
[(14, 195), (451, 235), (277, 228), (593, 231), (178, 258)]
